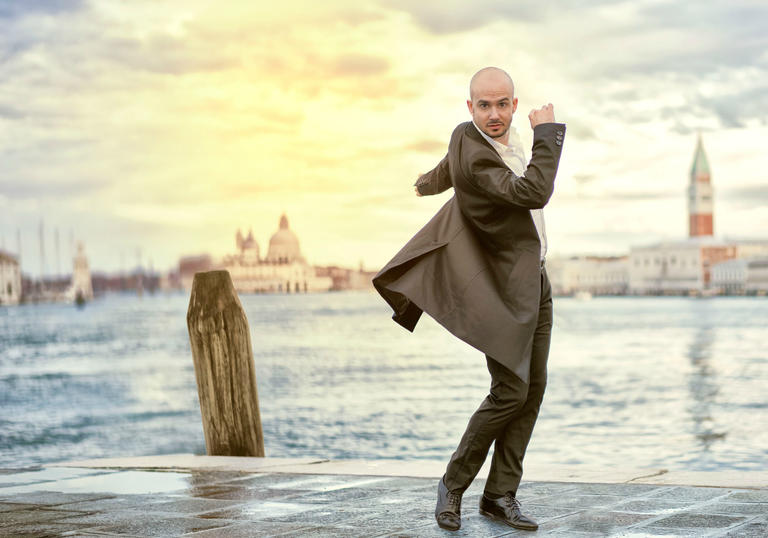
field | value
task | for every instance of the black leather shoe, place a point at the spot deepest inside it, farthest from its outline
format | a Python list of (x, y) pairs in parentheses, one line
[(507, 509), (448, 509)]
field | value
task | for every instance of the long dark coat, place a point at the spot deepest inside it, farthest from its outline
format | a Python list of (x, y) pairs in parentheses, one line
[(475, 266)]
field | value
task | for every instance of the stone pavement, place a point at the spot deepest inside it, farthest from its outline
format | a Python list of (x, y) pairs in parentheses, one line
[(131, 501)]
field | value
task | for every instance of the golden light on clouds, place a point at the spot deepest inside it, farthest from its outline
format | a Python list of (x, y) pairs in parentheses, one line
[(168, 125)]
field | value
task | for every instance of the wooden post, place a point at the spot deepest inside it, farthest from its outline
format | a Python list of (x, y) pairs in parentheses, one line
[(224, 368)]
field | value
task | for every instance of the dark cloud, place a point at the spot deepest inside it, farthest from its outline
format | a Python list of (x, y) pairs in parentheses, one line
[(662, 38), (452, 16), (15, 9), (734, 29), (735, 108)]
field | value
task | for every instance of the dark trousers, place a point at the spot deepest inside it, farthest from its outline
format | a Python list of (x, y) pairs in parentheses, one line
[(506, 416)]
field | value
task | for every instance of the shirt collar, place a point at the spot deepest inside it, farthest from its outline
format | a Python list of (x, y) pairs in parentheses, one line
[(498, 146)]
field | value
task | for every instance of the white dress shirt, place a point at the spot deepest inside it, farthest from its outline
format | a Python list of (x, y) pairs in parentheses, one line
[(513, 156)]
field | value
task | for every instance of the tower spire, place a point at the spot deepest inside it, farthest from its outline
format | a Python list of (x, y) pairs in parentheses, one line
[(700, 207)]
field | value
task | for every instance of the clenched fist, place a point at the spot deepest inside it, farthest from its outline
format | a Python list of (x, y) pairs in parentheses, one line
[(545, 114)]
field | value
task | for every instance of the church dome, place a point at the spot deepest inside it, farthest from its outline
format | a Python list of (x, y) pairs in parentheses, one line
[(284, 245)]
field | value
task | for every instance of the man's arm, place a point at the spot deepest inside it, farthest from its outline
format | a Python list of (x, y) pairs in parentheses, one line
[(534, 188), (435, 181)]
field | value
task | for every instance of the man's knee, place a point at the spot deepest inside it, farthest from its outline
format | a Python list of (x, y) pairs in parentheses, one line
[(508, 398), (508, 392)]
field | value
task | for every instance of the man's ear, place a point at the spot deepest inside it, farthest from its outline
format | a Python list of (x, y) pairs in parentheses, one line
[(469, 105), (514, 104)]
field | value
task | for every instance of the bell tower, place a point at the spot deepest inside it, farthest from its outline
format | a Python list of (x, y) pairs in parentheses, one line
[(700, 195)]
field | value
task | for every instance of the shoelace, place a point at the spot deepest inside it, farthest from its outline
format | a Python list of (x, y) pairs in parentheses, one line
[(511, 501), (454, 500)]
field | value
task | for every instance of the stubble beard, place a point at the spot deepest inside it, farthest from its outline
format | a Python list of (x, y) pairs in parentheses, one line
[(500, 135)]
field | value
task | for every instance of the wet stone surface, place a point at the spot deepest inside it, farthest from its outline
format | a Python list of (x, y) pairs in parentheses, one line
[(41, 502)]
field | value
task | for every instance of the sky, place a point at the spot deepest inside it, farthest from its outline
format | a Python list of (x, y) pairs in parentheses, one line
[(151, 130)]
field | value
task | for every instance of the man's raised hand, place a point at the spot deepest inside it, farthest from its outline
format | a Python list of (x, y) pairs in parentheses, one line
[(545, 114)]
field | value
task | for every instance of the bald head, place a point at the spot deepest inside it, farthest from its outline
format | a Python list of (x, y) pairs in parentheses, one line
[(491, 78), (492, 102)]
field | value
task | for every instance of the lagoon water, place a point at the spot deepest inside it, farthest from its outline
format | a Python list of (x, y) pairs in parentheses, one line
[(678, 383)]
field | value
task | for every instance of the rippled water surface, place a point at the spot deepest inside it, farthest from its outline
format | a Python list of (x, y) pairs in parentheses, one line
[(648, 382)]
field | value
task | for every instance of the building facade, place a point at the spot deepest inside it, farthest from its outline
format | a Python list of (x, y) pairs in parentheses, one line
[(595, 275), (741, 276), (283, 270), (10, 279), (676, 267)]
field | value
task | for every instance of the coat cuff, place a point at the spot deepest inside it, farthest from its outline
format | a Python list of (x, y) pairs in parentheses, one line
[(550, 130)]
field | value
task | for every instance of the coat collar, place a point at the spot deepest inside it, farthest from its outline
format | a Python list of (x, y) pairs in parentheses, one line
[(471, 132)]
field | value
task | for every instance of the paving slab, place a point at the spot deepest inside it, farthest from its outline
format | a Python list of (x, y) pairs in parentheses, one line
[(219, 498)]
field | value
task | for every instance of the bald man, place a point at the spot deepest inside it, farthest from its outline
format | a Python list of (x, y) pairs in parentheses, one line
[(478, 268)]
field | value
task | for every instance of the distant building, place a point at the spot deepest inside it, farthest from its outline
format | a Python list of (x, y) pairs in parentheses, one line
[(700, 198), (189, 265), (283, 269), (741, 276), (345, 278), (685, 266), (10, 279), (676, 267), (81, 287), (595, 275)]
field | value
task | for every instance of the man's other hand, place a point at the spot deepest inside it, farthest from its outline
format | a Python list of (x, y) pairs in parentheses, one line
[(545, 114), (417, 191)]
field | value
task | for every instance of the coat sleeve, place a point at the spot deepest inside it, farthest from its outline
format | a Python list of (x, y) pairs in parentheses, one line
[(436, 180), (534, 188)]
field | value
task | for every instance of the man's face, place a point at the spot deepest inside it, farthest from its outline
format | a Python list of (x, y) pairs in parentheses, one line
[(492, 105)]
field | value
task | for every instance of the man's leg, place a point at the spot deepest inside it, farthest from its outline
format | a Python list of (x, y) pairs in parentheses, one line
[(509, 450), (507, 396)]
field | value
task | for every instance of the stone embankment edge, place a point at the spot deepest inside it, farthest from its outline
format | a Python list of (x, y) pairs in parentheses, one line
[(423, 469)]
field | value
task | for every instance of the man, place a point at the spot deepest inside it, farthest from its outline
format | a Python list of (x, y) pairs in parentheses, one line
[(477, 267)]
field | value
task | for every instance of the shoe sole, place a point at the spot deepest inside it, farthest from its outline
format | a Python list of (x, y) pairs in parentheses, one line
[(497, 518), (445, 527)]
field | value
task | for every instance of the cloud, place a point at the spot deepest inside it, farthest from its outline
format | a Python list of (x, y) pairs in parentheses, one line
[(16, 9), (164, 53), (747, 196), (427, 146), (11, 112), (20, 188), (451, 16), (359, 65)]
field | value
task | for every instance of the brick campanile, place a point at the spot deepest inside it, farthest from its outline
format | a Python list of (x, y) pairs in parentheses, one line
[(700, 195)]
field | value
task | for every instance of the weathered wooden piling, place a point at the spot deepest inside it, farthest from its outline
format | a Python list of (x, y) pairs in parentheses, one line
[(224, 368)]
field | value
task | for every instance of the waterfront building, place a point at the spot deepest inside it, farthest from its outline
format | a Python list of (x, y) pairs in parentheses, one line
[(283, 269), (345, 278), (10, 279), (189, 265), (81, 287), (741, 276), (685, 266), (594, 275), (677, 267)]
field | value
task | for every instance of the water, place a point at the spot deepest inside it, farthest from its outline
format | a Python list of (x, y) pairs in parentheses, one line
[(677, 383)]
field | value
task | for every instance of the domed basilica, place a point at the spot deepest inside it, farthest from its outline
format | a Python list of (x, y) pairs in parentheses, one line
[(284, 269)]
